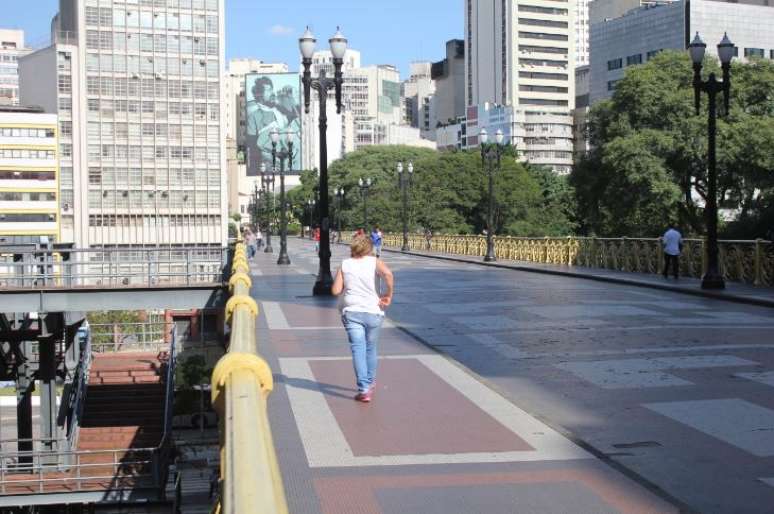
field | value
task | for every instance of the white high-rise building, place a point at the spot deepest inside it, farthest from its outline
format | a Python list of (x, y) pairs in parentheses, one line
[(521, 54), (582, 32), (11, 49), (138, 89)]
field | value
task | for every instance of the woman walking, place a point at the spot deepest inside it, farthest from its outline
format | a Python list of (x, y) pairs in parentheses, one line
[(362, 309)]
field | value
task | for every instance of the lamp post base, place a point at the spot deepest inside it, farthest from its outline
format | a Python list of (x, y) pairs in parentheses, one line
[(489, 258), (322, 287), (404, 248), (283, 260), (712, 280), (268, 249)]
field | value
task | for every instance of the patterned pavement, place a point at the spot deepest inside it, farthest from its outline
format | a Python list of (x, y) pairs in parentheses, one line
[(502, 391)]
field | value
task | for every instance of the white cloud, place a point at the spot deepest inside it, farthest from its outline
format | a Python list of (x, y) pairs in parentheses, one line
[(281, 30)]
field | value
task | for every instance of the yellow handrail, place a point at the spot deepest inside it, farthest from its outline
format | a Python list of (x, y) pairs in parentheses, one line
[(241, 383)]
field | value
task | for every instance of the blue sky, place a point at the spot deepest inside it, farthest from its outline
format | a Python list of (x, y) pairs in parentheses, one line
[(386, 32)]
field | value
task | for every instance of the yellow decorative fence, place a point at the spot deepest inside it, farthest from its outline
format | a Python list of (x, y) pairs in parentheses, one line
[(241, 382), (749, 262)]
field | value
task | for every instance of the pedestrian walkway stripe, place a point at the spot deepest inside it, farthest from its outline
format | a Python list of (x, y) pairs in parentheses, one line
[(275, 318), (326, 446), (641, 373), (737, 422), (764, 377)]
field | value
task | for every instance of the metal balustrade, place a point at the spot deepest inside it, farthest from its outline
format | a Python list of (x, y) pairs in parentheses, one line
[(66, 469), (250, 479), (748, 262), (111, 267)]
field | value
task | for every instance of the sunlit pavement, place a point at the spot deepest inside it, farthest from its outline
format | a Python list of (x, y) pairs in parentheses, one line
[(504, 391)]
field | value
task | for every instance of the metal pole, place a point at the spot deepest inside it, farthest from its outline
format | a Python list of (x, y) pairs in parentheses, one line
[(404, 191), (712, 279), (284, 260), (324, 282)]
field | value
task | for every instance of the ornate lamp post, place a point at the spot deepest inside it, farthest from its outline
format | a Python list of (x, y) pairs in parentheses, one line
[(256, 196), (310, 205), (339, 205), (322, 85), (282, 155), (404, 179), (490, 158), (713, 278), (365, 185), (267, 181)]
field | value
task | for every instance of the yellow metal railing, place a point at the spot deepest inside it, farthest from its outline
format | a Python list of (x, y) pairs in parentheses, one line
[(750, 262), (241, 383)]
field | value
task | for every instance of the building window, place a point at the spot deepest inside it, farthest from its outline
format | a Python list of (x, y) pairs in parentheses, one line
[(615, 64), (650, 55), (64, 84), (543, 23), (634, 59), (611, 85), (754, 52)]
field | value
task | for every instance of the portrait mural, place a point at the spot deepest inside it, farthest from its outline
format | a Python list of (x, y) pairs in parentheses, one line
[(273, 101)]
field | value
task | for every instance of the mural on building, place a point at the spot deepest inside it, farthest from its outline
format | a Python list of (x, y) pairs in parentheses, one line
[(273, 101)]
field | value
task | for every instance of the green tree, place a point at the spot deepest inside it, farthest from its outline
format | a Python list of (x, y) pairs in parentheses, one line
[(648, 161)]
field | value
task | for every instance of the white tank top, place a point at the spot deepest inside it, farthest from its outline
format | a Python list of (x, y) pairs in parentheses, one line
[(360, 293)]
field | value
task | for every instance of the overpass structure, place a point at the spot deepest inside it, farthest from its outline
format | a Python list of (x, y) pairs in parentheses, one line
[(107, 438)]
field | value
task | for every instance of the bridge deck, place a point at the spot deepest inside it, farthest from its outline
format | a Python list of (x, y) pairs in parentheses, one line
[(500, 388)]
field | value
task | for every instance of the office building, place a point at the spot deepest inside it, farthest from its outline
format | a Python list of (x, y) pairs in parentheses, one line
[(582, 32), (520, 54), (11, 48), (417, 93), (448, 102), (138, 89), (639, 34), (28, 176), (581, 112)]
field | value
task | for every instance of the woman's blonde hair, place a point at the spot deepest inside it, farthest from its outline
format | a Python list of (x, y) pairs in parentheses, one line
[(361, 246)]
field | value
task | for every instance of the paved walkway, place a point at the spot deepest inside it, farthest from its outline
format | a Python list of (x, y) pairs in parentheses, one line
[(502, 391)]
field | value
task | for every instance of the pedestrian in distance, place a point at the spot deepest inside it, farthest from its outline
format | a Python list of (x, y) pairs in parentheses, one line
[(672, 242), (317, 240), (258, 238), (376, 239), (247, 238), (362, 310)]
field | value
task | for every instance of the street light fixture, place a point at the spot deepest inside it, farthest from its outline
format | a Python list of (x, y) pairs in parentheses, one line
[(282, 155), (322, 85), (491, 154), (364, 185), (713, 278), (404, 180)]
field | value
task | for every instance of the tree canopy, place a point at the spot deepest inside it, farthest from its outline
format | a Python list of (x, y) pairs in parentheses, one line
[(648, 159), (448, 193)]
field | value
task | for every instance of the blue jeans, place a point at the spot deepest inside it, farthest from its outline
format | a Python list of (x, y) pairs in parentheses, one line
[(363, 333)]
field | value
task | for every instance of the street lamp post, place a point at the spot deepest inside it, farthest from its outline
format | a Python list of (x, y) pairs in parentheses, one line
[(490, 158), (323, 84), (310, 206), (256, 194), (713, 278), (282, 155), (404, 180), (267, 181), (339, 205), (365, 185)]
